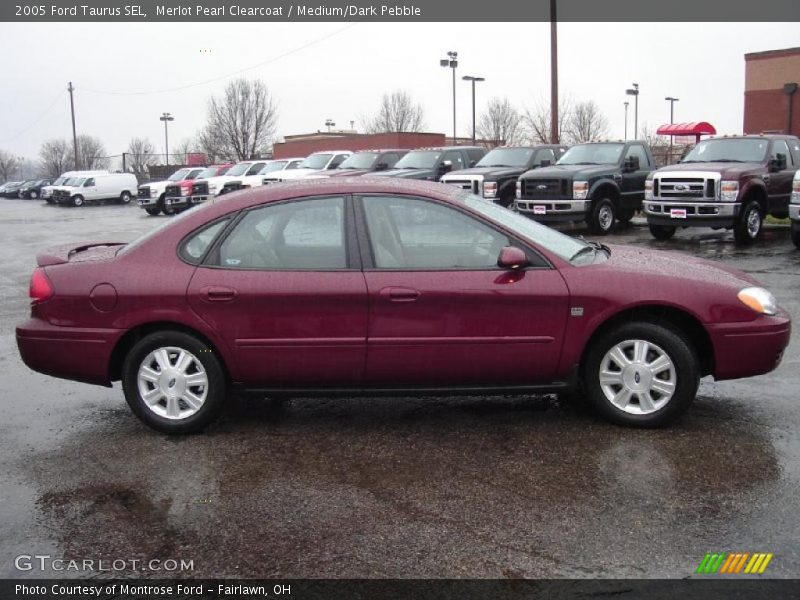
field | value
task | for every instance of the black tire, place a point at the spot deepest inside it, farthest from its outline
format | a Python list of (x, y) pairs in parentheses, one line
[(748, 224), (670, 342), (215, 390), (77, 200), (125, 197), (601, 217), (34, 195), (167, 210), (152, 211), (796, 234), (506, 199), (662, 232), (624, 215)]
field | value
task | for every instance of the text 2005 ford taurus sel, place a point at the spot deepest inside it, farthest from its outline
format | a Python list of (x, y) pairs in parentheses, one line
[(379, 286)]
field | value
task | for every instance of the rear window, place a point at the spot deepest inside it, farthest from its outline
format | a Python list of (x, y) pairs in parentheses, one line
[(194, 248)]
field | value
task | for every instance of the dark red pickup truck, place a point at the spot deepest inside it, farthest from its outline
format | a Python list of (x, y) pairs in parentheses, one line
[(731, 182)]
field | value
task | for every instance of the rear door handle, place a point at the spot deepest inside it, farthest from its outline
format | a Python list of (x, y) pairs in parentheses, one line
[(219, 294), (399, 294)]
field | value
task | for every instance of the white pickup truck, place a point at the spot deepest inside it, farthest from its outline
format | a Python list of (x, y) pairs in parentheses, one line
[(794, 209), (151, 195), (314, 163), (214, 186)]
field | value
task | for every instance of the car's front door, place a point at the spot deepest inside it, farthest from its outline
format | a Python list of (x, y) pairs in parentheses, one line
[(632, 186), (286, 293), (779, 184), (441, 312)]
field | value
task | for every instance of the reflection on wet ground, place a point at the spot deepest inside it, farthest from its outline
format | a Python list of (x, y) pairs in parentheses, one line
[(393, 487)]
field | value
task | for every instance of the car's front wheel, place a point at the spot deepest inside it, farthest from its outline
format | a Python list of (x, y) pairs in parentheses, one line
[(174, 382), (152, 211), (796, 234), (641, 374), (748, 226), (34, 195), (662, 232), (77, 200), (601, 216)]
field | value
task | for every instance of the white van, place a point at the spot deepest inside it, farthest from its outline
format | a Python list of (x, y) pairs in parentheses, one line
[(47, 191), (105, 186)]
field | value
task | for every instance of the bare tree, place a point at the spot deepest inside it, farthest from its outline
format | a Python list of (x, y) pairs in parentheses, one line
[(586, 122), (500, 123), (142, 154), (56, 157), (8, 164), (241, 122), (536, 122), (186, 146), (91, 153), (398, 113)]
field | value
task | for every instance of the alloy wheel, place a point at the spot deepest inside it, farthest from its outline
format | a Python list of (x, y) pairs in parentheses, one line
[(172, 382)]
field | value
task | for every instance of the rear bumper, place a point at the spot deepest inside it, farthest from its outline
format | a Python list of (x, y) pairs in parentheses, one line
[(748, 349), (67, 352)]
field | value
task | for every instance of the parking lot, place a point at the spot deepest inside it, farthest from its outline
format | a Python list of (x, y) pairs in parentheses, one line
[(396, 487)]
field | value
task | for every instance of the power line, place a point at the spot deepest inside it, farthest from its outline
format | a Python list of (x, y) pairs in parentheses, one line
[(221, 77), (39, 118)]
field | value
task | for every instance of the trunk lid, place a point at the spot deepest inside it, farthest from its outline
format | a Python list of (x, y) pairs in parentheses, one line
[(65, 253)]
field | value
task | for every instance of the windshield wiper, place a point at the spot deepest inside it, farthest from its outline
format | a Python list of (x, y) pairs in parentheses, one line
[(727, 160)]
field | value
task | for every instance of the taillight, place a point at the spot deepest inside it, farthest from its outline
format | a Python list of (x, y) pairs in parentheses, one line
[(40, 289)]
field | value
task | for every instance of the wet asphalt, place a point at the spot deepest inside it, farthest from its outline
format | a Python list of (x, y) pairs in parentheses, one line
[(394, 487)]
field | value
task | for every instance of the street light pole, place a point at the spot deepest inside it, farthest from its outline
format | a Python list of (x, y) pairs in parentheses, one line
[(71, 89), (452, 62), (634, 91), (672, 102), (166, 117), (554, 133), (473, 80), (626, 103), (329, 123)]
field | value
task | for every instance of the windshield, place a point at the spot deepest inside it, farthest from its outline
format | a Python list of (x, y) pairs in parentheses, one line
[(362, 160), (178, 175), (556, 242), (59, 181), (275, 165), (76, 181), (424, 159), (730, 150), (592, 154), (506, 157), (211, 172), (239, 169), (316, 161)]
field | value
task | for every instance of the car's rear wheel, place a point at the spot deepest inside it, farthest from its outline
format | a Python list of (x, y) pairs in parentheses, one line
[(601, 216), (174, 382), (125, 197), (748, 226), (34, 195), (662, 232), (152, 211), (77, 200), (796, 234), (641, 374)]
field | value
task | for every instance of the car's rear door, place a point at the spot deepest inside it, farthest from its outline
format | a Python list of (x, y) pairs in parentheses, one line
[(287, 294), (441, 313)]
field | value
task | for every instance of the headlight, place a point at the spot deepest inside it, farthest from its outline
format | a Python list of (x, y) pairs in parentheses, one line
[(759, 299), (648, 189), (212, 188), (519, 189), (580, 189), (796, 191), (489, 189), (728, 190)]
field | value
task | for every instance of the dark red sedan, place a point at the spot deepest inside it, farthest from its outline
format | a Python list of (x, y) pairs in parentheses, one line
[(368, 285)]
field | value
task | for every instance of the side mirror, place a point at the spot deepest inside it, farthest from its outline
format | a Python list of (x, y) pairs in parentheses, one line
[(512, 258), (446, 166), (334, 165), (778, 163), (381, 166), (631, 164), (545, 163)]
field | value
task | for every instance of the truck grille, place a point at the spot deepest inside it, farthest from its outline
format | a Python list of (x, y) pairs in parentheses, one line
[(231, 186), (60, 194), (144, 192), (200, 188), (544, 189), (684, 187), (172, 191)]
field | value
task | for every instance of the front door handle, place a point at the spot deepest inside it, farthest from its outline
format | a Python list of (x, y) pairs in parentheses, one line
[(219, 294), (399, 294)]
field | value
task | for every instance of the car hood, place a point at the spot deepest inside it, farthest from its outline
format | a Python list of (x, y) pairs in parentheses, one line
[(223, 179), (490, 171), (726, 169), (159, 182), (291, 174), (406, 173), (569, 171)]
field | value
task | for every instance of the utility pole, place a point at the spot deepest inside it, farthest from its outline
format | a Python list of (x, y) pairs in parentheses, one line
[(626, 118), (553, 73), (167, 117), (70, 89), (473, 80), (452, 62)]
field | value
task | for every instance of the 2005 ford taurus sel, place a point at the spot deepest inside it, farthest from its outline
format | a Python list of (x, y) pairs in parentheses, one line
[(367, 286)]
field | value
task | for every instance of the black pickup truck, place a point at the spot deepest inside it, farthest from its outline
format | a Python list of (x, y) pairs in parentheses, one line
[(596, 182), (432, 164), (495, 175), (724, 182)]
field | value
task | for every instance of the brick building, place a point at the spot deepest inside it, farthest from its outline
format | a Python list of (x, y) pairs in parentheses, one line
[(771, 94)]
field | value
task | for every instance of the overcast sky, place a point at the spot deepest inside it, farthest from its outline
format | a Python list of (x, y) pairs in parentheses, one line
[(331, 70)]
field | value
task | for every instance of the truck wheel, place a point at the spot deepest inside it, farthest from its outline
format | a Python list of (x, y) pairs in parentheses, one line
[(152, 211), (748, 226), (625, 214), (641, 374), (125, 197), (662, 232), (174, 382), (796, 234), (507, 199), (77, 200), (601, 217)]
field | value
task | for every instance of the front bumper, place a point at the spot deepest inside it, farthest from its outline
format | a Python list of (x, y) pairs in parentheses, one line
[(554, 209), (73, 353), (794, 212), (178, 201), (682, 213), (748, 349), (147, 202)]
